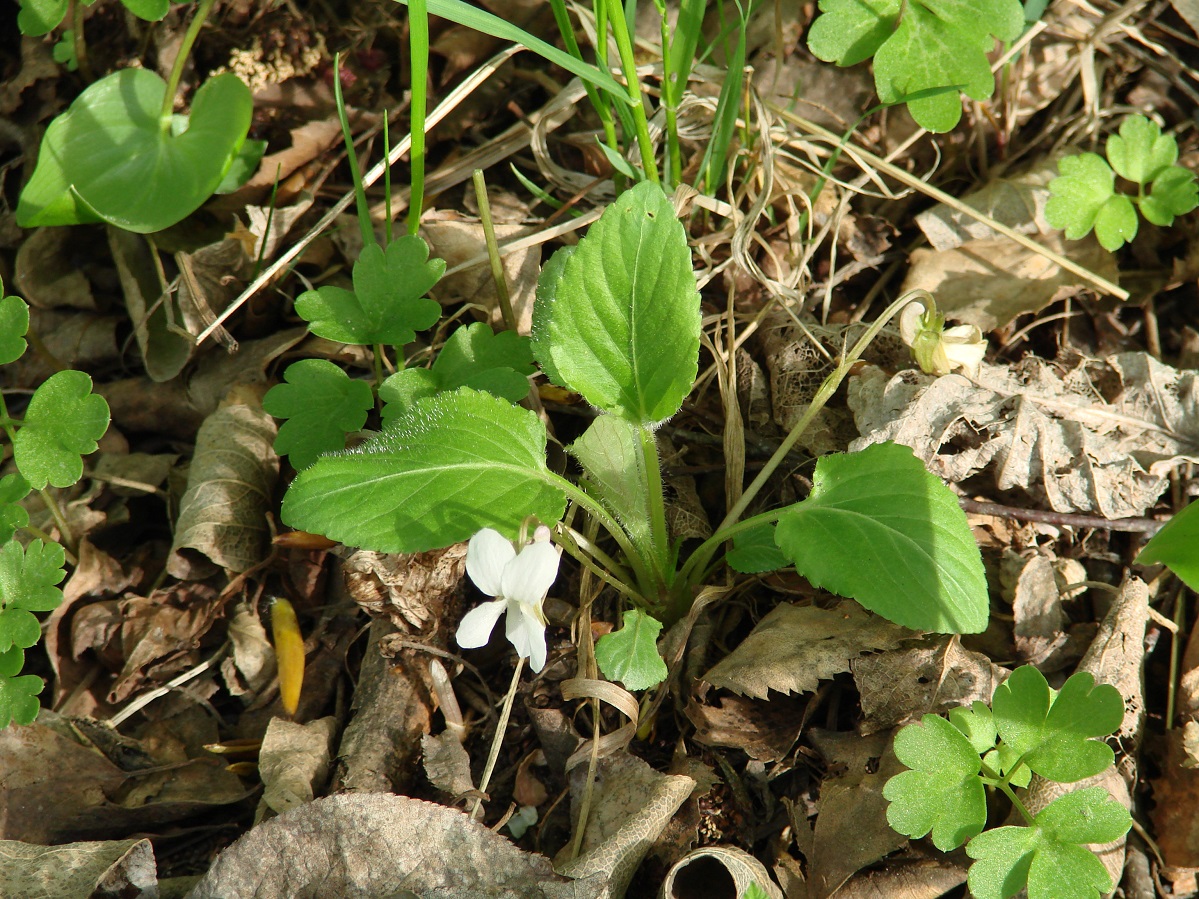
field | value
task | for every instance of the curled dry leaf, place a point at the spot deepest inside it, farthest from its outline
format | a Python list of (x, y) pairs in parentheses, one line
[(294, 762), (795, 647), (222, 517), (1100, 438), (740, 870), (378, 844)]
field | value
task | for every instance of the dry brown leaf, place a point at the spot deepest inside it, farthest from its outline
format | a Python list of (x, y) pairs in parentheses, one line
[(250, 664), (1098, 438), (294, 762), (447, 763), (795, 647), (693, 877), (77, 340), (222, 516), (764, 730), (851, 824), (900, 686), (631, 804), (377, 844), (122, 868), (47, 270), (403, 587)]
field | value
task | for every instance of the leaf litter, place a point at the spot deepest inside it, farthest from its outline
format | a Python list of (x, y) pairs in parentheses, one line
[(767, 756)]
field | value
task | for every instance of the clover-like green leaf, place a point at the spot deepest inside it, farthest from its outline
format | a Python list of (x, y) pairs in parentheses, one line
[(755, 551), (321, 404), (878, 527), (630, 655), (976, 724), (18, 695), (13, 516), (1174, 192), (943, 792), (620, 324), (28, 583), (38, 17), (919, 46), (1054, 737), (388, 303), (63, 422), (1049, 857), (1140, 152), (473, 356), (14, 324), (457, 463), (1084, 196), (1177, 546), (111, 156)]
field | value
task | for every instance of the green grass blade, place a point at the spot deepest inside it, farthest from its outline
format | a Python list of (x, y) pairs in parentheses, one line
[(460, 12), (418, 31)]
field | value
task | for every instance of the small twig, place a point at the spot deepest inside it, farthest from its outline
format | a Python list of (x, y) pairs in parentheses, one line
[(1064, 519)]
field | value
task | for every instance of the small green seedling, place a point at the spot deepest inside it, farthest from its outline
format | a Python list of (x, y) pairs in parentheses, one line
[(1027, 730), (120, 155), (1084, 196), (919, 47), (62, 423), (877, 525), (1177, 546)]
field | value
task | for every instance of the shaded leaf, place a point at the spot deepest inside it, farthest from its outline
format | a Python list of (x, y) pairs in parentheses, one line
[(630, 655), (1177, 546), (321, 404)]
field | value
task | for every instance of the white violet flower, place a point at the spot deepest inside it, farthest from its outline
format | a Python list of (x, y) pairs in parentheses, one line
[(939, 350), (519, 582)]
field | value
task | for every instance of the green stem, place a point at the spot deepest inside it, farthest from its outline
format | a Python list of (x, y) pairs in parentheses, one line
[(185, 49), (670, 102), (85, 65), (657, 505), (418, 41), (624, 45), (599, 101), (583, 550), (700, 558), (68, 539), (493, 251)]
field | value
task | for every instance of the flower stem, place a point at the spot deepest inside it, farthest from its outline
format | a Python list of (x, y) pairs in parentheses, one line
[(477, 809), (185, 49)]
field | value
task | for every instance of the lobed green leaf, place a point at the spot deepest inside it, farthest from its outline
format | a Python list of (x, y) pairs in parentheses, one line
[(618, 319), (1140, 152), (1174, 192), (943, 792), (630, 655), (1054, 736), (474, 357), (388, 303), (13, 516), (457, 463), (63, 422), (14, 324), (1048, 857), (18, 699), (28, 583), (321, 404), (878, 527)]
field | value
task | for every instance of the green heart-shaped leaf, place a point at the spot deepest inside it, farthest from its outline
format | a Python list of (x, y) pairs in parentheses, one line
[(112, 157)]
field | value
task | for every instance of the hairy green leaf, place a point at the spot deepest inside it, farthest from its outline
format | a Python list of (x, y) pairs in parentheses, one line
[(1177, 546), (918, 46), (321, 404), (473, 357), (457, 463), (942, 793), (111, 157), (388, 303), (878, 527), (620, 324), (18, 695), (14, 324), (1174, 192), (63, 422), (610, 453), (630, 655), (28, 583), (1054, 736)]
